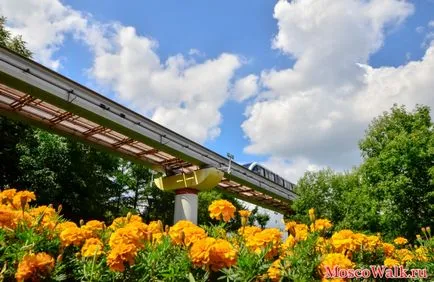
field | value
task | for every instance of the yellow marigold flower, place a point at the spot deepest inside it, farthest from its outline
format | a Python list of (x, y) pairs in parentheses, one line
[(335, 259), (269, 237), (288, 246), (94, 225), (275, 271), (290, 227), (22, 198), (192, 234), (312, 214), (7, 217), (245, 213), (155, 227), (121, 254), (400, 241), (126, 235), (320, 225), (222, 254), (389, 262), (42, 210), (64, 225), (422, 254), (404, 255), (199, 251), (72, 236), (388, 249), (372, 243), (92, 247), (7, 195), (222, 210), (344, 240), (177, 233), (248, 231), (301, 232), (34, 265)]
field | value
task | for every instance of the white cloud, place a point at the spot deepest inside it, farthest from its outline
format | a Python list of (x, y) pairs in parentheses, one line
[(245, 88), (420, 29), (431, 24), (179, 93), (43, 24), (292, 170), (315, 112)]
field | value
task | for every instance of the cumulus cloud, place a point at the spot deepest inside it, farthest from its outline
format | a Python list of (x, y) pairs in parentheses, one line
[(43, 24), (315, 112), (245, 88), (179, 93)]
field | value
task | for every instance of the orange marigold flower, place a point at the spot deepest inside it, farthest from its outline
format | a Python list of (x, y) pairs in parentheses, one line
[(192, 234), (92, 247), (222, 254), (46, 211), (287, 246), (245, 213), (212, 253), (64, 225), (345, 240), (269, 237), (199, 251), (7, 195), (320, 225), (301, 232), (388, 249), (34, 265), (127, 235), (372, 243), (249, 231), (7, 217), (94, 225), (389, 262), (290, 227), (176, 232), (400, 241), (335, 259), (22, 198), (275, 271), (222, 210), (404, 255), (72, 236), (155, 227), (121, 254)]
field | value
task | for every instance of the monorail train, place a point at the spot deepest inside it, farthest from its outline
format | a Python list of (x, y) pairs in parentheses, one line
[(258, 169)]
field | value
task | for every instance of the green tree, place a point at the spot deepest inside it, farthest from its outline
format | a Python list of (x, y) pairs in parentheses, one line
[(11, 132), (66, 172), (262, 219), (398, 169)]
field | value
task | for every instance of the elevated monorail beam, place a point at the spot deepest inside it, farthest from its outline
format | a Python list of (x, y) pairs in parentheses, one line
[(44, 98)]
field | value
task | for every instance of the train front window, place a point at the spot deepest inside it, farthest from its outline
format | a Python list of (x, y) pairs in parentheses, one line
[(261, 171), (279, 180)]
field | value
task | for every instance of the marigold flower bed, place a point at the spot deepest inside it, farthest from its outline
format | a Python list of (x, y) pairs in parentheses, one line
[(36, 243)]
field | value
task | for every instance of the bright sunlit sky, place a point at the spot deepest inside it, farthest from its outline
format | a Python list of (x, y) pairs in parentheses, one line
[(290, 84)]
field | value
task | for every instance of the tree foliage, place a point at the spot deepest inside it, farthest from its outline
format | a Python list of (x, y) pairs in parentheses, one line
[(393, 189)]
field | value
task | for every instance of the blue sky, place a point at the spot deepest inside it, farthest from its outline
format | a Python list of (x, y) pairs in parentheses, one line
[(319, 71)]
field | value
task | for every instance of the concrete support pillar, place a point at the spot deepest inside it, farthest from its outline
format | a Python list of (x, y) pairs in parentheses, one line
[(186, 187), (186, 205)]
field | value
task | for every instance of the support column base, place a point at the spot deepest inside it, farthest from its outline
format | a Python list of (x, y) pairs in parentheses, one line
[(186, 205)]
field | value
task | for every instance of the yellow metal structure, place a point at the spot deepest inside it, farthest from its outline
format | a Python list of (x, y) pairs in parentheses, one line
[(202, 180)]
